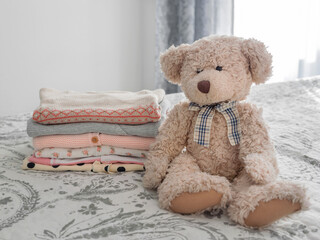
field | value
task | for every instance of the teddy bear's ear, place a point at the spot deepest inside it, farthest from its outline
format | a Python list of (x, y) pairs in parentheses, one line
[(171, 62), (259, 58)]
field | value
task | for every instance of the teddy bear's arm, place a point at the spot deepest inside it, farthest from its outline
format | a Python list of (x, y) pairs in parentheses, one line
[(169, 144), (256, 149)]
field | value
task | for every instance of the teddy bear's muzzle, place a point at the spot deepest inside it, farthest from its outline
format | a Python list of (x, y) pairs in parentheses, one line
[(204, 86)]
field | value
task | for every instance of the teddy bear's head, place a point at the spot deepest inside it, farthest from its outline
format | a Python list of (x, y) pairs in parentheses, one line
[(217, 68)]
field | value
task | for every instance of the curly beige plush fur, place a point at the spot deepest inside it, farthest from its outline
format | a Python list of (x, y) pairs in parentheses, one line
[(245, 174)]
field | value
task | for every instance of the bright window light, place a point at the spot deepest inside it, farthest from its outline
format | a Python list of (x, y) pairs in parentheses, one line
[(290, 29)]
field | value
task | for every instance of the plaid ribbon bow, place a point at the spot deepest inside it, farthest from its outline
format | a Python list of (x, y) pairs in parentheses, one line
[(204, 121)]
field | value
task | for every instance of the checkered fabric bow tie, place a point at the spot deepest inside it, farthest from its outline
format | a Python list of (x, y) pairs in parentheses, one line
[(204, 121)]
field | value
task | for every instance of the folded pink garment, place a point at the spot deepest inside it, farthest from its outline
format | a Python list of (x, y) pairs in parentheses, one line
[(103, 159), (91, 139), (95, 151)]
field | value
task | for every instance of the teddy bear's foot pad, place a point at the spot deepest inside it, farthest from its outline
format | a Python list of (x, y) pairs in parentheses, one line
[(268, 212), (187, 203)]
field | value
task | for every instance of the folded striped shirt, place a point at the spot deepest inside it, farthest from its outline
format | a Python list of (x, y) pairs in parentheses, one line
[(103, 159)]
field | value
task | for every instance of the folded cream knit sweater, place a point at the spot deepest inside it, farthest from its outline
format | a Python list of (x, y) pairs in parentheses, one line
[(113, 107)]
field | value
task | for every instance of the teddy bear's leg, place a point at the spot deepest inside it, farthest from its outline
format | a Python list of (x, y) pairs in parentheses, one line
[(260, 205), (186, 189)]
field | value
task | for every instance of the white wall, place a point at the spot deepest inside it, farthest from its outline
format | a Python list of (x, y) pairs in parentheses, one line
[(73, 44)]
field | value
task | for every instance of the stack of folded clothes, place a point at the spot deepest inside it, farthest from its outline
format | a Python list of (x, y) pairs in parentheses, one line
[(94, 131)]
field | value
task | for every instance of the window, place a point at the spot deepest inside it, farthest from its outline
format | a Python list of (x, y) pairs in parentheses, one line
[(291, 30)]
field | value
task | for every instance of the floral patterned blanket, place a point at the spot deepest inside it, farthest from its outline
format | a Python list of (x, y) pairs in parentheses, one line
[(65, 205)]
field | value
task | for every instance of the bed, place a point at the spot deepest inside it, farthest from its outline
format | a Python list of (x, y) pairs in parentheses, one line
[(85, 205)]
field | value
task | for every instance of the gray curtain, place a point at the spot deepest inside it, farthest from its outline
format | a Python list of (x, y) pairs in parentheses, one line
[(184, 21)]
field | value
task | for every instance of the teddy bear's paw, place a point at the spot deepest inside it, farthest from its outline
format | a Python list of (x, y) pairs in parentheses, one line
[(156, 169), (259, 168), (151, 180)]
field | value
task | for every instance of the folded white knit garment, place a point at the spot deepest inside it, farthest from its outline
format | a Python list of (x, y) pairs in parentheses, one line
[(52, 98), (114, 107)]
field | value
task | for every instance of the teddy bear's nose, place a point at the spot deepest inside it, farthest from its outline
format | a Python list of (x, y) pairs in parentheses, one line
[(204, 86)]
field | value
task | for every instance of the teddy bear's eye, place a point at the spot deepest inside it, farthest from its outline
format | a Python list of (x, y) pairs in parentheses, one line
[(219, 68), (199, 70)]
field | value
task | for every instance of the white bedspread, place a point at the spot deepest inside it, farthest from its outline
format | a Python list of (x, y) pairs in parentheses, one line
[(55, 205)]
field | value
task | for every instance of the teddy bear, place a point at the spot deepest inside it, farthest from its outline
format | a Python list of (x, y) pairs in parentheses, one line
[(214, 150)]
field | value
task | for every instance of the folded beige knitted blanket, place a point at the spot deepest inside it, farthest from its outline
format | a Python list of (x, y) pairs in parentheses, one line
[(120, 107)]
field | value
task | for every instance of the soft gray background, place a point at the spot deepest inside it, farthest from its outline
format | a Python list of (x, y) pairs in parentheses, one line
[(115, 44)]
